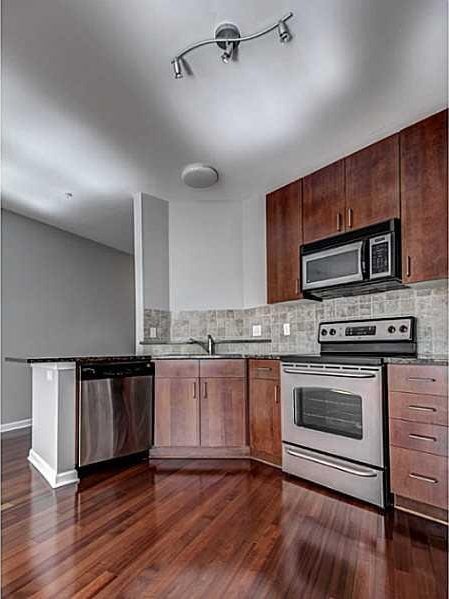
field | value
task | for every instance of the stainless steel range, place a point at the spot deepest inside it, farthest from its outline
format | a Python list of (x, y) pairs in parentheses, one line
[(334, 425)]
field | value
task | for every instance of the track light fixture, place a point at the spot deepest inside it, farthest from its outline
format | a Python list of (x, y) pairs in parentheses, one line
[(227, 37), (177, 68)]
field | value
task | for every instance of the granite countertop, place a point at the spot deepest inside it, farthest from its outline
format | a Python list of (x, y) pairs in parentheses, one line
[(79, 359), (420, 360)]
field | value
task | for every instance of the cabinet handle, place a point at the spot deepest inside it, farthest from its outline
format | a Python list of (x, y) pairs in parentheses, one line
[(425, 479), (422, 437), (409, 266), (276, 394), (194, 390), (338, 221), (422, 409), (205, 390), (422, 378), (349, 218), (296, 285), (264, 368)]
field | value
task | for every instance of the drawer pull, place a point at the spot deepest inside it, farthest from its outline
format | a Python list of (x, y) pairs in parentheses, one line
[(422, 378), (264, 368), (425, 479), (422, 409), (422, 437)]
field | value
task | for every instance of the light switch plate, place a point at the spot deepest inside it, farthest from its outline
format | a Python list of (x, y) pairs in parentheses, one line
[(257, 330), (286, 328), (153, 332)]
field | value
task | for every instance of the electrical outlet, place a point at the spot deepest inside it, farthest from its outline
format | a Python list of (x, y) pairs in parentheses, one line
[(153, 332), (286, 328), (257, 330)]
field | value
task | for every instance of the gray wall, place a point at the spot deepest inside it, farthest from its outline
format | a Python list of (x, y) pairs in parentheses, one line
[(61, 295)]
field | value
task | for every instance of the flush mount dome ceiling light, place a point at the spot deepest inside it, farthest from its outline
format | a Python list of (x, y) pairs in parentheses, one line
[(199, 176), (227, 37)]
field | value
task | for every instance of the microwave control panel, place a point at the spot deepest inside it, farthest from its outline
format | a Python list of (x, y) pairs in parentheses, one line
[(387, 329), (380, 256)]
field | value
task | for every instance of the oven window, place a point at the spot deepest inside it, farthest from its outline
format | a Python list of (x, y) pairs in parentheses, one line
[(333, 267), (330, 410)]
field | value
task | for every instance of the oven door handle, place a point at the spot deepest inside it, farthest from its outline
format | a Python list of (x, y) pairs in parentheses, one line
[(365, 473), (337, 374)]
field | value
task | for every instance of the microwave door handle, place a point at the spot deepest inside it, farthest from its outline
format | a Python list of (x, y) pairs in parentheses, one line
[(365, 258)]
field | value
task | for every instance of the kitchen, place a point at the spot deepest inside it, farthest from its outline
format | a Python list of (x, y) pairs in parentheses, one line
[(287, 369)]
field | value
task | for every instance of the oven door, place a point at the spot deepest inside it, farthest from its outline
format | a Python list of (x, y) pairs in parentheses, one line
[(334, 409), (335, 266)]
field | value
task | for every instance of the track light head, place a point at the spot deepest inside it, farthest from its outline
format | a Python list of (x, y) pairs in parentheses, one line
[(284, 33), (177, 68), (228, 54)]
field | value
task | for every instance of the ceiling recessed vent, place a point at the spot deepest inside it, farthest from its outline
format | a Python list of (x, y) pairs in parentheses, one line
[(199, 176)]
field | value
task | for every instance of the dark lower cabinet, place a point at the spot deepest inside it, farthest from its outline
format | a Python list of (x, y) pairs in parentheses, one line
[(176, 410), (424, 199), (200, 408), (284, 237), (223, 412), (265, 411)]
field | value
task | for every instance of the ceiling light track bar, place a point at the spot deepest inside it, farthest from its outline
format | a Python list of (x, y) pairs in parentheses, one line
[(284, 36)]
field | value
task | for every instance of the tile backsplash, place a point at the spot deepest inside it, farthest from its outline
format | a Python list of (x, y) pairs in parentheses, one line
[(428, 302)]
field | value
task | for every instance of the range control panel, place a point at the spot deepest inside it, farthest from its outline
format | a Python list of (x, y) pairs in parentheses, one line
[(384, 329)]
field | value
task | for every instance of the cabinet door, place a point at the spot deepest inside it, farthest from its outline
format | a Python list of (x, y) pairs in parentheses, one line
[(424, 199), (372, 184), (265, 420), (323, 202), (223, 412), (176, 412), (284, 236)]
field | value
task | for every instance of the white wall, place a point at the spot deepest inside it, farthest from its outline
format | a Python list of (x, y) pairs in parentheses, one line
[(206, 265), (61, 295), (254, 252)]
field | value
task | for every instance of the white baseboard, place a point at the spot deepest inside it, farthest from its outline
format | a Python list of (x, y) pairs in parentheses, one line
[(13, 426), (54, 479)]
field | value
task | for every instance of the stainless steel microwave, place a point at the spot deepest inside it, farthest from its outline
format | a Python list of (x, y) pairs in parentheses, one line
[(353, 263)]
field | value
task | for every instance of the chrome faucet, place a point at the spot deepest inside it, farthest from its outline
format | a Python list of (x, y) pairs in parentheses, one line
[(208, 346)]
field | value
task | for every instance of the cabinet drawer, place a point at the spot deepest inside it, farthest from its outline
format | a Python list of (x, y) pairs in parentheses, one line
[(428, 438), (219, 368), (264, 369), (419, 476), (431, 380), (177, 368), (429, 409)]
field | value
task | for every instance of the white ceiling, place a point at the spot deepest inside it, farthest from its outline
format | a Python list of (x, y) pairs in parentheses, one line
[(90, 106)]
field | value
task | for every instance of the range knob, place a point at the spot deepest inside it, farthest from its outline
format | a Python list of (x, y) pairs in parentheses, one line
[(403, 328), (332, 331), (391, 329), (324, 332)]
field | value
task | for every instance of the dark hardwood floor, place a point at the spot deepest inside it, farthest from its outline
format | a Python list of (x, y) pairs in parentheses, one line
[(201, 528)]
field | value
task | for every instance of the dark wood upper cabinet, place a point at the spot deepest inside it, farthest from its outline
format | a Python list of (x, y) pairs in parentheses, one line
[(323, 202), (372, 184), (284, 236), (424, 199)]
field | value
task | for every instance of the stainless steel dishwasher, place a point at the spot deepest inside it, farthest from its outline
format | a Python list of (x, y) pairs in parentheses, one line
[(115, 410)]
